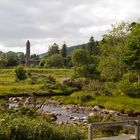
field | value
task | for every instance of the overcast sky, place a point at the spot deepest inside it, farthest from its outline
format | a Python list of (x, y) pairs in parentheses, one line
[(44, 22)]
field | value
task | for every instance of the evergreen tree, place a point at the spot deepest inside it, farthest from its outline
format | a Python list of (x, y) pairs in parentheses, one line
[(90, 45), (54, 49), (64, 50)]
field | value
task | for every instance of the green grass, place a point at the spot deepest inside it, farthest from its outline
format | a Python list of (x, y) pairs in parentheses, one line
[(9, 84), (59, 74), (116, 102)]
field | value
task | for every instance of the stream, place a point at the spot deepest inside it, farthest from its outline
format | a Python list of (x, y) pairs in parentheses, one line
[(66, 114)]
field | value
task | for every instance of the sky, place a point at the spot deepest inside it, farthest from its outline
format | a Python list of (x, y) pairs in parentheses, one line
[(44, 22)]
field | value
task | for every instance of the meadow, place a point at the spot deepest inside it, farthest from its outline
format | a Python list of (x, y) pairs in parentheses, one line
[(39, 85), (34, 84)]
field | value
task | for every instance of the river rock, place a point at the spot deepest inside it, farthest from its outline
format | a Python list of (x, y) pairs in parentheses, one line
[(51, 115), (132, 137), (84, 118), (75, 119), (112, 112), (60, 123), (16, 99), (97, 108), (71, 117), (91, 114)]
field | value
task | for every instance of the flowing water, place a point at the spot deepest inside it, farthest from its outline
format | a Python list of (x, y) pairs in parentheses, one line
[(64, 114)]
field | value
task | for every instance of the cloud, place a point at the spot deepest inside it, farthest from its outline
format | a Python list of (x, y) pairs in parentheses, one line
[(44, 22)]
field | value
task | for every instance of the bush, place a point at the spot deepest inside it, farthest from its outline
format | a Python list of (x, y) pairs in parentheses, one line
[(16, 127), (86, 98), (42, 62), (129, 89), (12, 62), (131, 77), (71, 82), (20, 73), (97, 87)]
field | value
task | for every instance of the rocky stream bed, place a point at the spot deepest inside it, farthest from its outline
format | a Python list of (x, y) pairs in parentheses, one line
[(74, 114)]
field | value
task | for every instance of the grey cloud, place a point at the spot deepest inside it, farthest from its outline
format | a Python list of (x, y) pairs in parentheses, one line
[(73, 21)]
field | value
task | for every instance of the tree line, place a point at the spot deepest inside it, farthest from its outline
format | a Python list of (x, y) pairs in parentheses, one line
[(115, 59)]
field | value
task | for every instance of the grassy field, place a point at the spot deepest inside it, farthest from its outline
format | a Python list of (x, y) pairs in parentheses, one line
[(9, 85)]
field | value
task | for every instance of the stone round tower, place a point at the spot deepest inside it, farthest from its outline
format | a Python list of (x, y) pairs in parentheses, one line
[(27, 63)]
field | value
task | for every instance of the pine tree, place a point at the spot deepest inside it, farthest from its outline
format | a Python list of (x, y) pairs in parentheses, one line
[(64, 50), (90, 45), (54, 49)]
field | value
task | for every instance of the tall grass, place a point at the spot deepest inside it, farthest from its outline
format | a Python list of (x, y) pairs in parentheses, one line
[(16, 127)]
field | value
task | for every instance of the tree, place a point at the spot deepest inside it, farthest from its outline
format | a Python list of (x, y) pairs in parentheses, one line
[(12, 58), (54, 49), (80, 57), (112, 52), (84, 64), (3, 55), (56, 60), (3, 63), (64, 50), (92, 46), (132, 57), (21, 58), (68, 61)]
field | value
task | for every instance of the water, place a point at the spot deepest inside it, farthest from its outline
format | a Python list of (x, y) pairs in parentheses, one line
[(66, 115)]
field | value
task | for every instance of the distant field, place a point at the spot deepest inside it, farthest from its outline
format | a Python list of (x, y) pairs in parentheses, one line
[(9, 84)]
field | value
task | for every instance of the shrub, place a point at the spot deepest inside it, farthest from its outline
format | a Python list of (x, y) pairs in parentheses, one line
[(97, 87), (42, 62), (129, 89), (20, 73), (86, 98), (130, 76), (133, 90), (72, 82), (16, 127), (50, 79)]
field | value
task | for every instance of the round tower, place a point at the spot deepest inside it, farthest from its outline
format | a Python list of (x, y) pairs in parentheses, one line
[(27, 63)]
